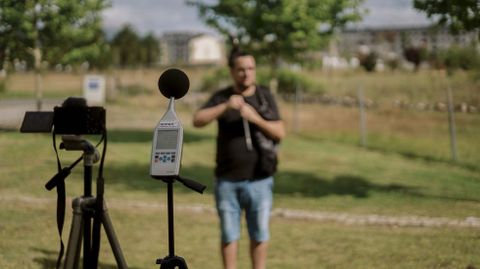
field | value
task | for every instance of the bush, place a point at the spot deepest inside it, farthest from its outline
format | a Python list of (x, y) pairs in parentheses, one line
[(134, 90), (369, 61), (288, 81), (415, 55), (214, 81), (3, 86), (466, 58)]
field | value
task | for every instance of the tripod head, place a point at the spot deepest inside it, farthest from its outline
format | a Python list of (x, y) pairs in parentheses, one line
[(76, 142)]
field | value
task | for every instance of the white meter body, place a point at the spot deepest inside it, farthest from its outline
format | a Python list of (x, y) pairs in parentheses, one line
[(167, 145)]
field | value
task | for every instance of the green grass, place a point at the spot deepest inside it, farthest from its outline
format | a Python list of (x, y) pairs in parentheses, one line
[(29, 240), (413, 134), (315, 174), (405, 170)]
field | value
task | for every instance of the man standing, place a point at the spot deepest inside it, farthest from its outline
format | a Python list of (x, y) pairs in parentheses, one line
[(242, 111)]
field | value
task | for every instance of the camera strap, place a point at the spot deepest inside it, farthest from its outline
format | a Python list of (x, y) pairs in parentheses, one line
[(61, 201), (58, 181), (97, 219)]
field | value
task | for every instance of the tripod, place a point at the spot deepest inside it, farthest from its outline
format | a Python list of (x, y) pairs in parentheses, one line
[(171, 261), (88, 210)]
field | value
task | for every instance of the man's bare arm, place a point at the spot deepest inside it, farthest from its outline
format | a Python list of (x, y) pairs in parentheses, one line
[(206, 115), (274, 129)]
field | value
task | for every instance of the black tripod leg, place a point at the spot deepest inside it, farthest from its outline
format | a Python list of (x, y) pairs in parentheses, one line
[(87, 239), (72, 255), (112, 239)]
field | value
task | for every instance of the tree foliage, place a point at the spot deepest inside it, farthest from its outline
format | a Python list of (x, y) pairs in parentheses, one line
[(459, 15), (125, 46), (279, 29), (64, 31), (415, 55), (465, 58), (369, 61), (150, 52), (129, 49)]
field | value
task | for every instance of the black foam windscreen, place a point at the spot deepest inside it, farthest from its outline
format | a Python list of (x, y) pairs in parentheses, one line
[(173, 83)]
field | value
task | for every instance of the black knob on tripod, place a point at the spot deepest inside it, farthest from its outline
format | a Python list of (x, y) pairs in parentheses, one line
[(172, 262)]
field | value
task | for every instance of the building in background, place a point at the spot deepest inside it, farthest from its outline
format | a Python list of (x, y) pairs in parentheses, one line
[(387, 40), (390, 43), (185, 48)]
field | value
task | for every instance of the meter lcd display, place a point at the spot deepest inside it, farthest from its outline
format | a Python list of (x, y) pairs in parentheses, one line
[(167, 139)]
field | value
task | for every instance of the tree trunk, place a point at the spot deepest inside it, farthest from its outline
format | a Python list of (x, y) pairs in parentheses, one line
[(37, 54), (38, 78)]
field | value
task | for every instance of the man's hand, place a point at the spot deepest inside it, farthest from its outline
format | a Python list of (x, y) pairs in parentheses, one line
[(274, 129), (235, 102), (249, 113)]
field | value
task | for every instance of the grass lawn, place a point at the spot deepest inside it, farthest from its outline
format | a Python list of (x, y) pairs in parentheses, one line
[(29, 240), (315, 174), (404, 172)]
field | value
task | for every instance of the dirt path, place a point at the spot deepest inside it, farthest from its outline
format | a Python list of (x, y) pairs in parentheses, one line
[(293, 214), (12, 111)]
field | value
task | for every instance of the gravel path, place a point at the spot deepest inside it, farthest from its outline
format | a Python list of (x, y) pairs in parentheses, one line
[(308, 215)]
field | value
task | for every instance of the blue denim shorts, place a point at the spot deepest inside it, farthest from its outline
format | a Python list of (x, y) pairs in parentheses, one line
[(255, 197)]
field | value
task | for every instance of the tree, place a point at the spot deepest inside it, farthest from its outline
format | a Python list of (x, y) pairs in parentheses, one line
[(278, 30), (150, 50), (415, 55), (65, 31), (55, 31), (130, 49), (459, 15), (126, 47), (369, 61)]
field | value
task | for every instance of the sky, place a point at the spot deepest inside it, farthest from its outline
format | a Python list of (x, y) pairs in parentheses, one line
[(160, 16)]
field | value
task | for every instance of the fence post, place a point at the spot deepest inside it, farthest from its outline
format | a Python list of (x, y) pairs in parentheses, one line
[(363, 127), (451, 124), (296, 109)]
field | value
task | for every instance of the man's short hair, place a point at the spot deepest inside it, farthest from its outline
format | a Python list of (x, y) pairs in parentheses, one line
[(234, 54)]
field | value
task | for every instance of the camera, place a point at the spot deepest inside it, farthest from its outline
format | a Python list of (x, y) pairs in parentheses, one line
[(73, 117)]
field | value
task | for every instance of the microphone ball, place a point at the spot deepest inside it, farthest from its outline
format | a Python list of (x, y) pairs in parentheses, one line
[(173, 83)]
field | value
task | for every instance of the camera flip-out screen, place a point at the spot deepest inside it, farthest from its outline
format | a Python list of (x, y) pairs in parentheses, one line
[(37, 122), (73, 117)]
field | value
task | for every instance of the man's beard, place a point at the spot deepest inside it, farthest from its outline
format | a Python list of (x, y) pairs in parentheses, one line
[(242, 86)]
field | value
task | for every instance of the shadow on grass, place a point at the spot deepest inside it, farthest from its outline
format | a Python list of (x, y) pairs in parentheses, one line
[(286, 182), (427, 158), (48, 260), (140, 136), (136, 176), (308, 184), (468, 166)]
